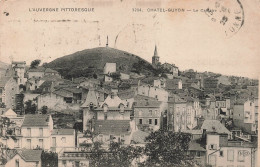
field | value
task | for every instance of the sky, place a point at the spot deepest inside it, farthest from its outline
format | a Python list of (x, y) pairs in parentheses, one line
[(190, 40)]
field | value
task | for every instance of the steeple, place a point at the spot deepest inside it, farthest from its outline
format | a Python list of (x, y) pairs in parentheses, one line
[(107, 42), (155, 59), (155, 52)]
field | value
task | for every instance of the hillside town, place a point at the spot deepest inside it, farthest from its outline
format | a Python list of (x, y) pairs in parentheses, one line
[(50, 120)]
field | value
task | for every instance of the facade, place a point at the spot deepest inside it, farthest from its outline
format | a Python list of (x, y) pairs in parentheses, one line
[(244, 116), (24, 157), (222, 152), (61, 99), (8, 90), (36, 131), (147, 115), (19, 70), (62, 138), (177, 114)]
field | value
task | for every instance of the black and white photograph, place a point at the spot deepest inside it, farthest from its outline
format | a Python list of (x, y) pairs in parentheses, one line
[(129, 83)]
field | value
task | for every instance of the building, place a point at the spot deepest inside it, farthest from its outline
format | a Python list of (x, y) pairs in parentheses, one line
[(173, 84), (147, 115), (36, 131), (39, 72), (174, 70), (110, 119), (24, 157), (177, 113), (223, 152), (8, 90), (67, 98), (19, 71), (244, 115), (216, 127), (62, 138), (150, 91), (155, 58), (198, 152)]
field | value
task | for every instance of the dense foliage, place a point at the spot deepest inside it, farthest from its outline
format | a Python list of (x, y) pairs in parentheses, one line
[(35, 63), (49, 159)]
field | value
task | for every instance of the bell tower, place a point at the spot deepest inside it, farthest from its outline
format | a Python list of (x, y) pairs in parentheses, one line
[(155, 59)]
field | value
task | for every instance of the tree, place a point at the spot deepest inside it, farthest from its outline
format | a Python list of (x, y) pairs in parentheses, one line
[(35, 63), (44, 109), (49, 159), (167, 148), (116, 155), (30, 107)]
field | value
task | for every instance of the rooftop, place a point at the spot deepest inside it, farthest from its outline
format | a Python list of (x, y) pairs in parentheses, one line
[(113, 127), (35, 120), (214, 126), (27, 155), (63, 132)]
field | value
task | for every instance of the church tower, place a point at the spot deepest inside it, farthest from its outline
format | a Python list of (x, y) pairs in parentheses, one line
[(155, 59)]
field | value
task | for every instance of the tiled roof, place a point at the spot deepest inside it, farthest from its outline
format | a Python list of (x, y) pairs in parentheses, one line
[(27, 155), (126, 94), (113, 127), (193, 146), (30, 155), (214, 126), (38, 69), (63, 93), (147, 103), (91, 98), (48, 70), (35, 120), (4, 80), (63, 132)]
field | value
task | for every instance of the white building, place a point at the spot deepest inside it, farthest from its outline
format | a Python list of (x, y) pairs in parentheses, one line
[(19, 69), (224, 153), (36, 131), (62, 138)]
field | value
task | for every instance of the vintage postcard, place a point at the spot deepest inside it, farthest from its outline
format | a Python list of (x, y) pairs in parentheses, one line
[(129, 83)]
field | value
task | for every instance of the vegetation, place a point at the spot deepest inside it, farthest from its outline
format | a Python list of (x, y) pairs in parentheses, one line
[(117, 155), (44, 109), (88, 62), (30, 107), (35, 63), (49, 159), (167, 148)]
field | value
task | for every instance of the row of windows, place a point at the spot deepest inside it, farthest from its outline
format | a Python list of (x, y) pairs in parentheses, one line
[(150, 121), (29, 132)]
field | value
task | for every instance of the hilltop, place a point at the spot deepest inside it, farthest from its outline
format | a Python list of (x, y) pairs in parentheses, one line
[(91, 61)]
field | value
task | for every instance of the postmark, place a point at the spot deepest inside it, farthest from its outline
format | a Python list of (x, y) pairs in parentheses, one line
[(228, 16)]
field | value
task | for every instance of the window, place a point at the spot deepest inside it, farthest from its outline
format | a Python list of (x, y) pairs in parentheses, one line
[(221, 153), (17, 163), (140, 121), (41, 132), (240, 156), (212, 147), (150, 112), (63, 139), (155, 122), (230, 155), (68, 99), (150, 121), (29, 132), (41, 143), (28, 143), (105, 116), (1, 91), (1, 100), (16, 143), (64, 162)]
